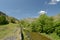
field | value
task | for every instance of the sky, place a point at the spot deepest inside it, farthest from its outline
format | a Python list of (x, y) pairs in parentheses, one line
[(29, 8)]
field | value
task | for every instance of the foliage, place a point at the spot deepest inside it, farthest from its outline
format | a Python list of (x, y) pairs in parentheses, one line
[(44, 24), (3, 20), (24, 23), (35, 27), (57, 27), (12, 20)]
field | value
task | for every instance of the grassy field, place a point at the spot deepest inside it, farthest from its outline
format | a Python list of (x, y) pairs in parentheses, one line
[(42, 36), (7, 29), (53, 36), (35, 36), (38, 36)]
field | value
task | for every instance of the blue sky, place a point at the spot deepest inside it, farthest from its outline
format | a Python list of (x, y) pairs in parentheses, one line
[(29, 8)]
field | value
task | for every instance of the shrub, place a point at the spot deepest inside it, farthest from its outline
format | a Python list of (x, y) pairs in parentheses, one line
[(3, 20)]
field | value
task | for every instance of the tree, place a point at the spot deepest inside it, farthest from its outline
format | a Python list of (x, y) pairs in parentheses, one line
[(49, 27), (44, 24), (41, 21), (35, 26), (57, 27)]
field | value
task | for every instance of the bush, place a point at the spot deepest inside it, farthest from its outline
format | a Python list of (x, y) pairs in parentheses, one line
[(12, 21), (57, 30), (3, 20), (50, 30), (58, 33)]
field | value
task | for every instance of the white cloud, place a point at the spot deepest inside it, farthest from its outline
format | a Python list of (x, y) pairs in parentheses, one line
[(53, 2), (42, 12), (57, 0)]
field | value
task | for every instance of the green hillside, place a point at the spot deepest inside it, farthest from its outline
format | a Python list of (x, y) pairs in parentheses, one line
[(42, 28), (7, 29), (44, 24), (7, 25)]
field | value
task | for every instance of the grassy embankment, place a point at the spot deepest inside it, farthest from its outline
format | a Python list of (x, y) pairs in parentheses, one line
[(35, 36), (6, 30), (53, 36), (40, 36)]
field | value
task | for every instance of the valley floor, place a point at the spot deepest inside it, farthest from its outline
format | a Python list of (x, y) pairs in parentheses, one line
[(13, 32), (10, 32)]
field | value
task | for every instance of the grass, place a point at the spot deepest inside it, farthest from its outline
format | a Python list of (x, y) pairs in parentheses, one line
[(43, 36), (7, 29), (24, 33), (35, 35), (38, 36), (54, 36)]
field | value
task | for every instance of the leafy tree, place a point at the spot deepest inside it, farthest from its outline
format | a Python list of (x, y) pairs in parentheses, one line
[(48, 27), (57, 27), (41, 20), (43, 24), (35, 27)]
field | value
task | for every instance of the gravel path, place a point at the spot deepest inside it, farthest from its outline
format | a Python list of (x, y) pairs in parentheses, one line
[(11, 38), (15, 35)]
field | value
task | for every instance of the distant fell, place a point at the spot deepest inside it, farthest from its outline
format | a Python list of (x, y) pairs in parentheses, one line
[(8, 19)]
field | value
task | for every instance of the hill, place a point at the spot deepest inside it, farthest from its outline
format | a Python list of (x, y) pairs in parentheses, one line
[(8, 26), (4, 17), (49, 25)]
